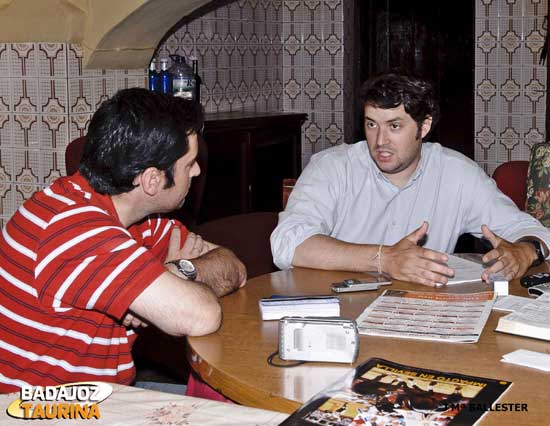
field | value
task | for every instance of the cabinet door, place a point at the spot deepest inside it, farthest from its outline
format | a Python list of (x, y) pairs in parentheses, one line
[(274, 158), (227, 179)]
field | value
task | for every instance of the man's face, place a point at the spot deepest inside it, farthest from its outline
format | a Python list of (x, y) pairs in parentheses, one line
[(394, 141), (184, 170)]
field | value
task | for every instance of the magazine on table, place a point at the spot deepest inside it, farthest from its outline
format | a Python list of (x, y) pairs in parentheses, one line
[(380, 392), (449, 317)]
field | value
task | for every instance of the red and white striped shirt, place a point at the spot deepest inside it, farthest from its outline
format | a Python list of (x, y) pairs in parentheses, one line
[(69, 270)]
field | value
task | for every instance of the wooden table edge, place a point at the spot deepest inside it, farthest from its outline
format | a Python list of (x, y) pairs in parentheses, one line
[(240, 393)]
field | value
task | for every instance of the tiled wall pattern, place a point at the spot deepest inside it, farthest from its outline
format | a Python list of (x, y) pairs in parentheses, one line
[(510, 85), (239, 51), (264, 55), (315, 67), (273, 55), (46, 100)]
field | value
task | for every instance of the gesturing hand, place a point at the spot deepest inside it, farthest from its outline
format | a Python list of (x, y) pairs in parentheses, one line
[(407, 261), (510, 259)]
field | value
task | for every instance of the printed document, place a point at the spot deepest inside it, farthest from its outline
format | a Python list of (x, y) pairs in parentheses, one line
[(427, 316)]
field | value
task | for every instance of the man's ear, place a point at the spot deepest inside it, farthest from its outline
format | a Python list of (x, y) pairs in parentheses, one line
[(426, 126), (151, 180)]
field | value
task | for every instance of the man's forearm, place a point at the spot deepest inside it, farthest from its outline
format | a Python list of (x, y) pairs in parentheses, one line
[(323, 252), (219, 269)]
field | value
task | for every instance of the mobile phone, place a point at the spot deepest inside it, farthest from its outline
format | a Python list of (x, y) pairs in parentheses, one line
[(371, 283)]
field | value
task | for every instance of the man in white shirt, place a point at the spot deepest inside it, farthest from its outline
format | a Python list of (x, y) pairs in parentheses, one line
[(397, 205)]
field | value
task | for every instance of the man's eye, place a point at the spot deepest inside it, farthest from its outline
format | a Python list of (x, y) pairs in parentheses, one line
[(395, 126), (371, 125)]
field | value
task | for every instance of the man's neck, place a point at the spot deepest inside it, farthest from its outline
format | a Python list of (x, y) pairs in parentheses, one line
[(402, 178), (128, 209)]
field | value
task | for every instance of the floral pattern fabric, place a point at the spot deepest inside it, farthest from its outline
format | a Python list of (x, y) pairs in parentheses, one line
[(538, 183), (130, 406)]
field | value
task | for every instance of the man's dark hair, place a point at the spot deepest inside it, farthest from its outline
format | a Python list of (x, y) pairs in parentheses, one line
[(390, 90), (134, 130)]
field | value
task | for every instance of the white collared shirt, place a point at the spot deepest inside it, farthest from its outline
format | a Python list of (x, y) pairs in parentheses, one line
[(342, 193)]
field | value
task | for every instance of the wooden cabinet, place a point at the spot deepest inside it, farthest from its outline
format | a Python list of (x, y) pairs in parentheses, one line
[(249, 155)]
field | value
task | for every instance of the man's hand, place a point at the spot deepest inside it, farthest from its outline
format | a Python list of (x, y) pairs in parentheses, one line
[(221, 270), (407, 261), (193, 247), (131, 321), (217, 267), (510, 259)]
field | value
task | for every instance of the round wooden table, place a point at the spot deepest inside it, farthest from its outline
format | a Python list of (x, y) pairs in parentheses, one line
[(233, 360)]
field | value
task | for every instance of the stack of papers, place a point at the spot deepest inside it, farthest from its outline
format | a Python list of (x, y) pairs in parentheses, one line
[(275, 308), (527, 358)]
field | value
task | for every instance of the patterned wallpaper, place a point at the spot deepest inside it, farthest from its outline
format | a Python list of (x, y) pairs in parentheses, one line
[(291, 55), (46, 100), (315, 69), (510, 85), (239, 50), (274, 55)]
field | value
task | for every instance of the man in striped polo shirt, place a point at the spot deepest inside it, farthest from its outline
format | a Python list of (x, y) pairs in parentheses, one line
[(84, 262)]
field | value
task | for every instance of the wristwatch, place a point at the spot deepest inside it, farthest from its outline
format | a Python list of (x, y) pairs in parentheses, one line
[(538, 250), (186, 268)]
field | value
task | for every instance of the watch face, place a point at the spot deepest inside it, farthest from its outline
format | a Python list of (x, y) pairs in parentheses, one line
[(187, 266)]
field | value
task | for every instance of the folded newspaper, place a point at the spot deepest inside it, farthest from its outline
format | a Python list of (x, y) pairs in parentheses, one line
[(448, 317)]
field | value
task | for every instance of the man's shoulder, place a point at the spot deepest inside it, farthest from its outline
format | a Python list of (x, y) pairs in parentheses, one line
[(56, 201), (450, 158), (62, 193), (339, 154)]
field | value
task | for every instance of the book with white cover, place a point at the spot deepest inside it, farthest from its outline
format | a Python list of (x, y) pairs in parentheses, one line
[(513, 303), (532, 320), (275, 308)]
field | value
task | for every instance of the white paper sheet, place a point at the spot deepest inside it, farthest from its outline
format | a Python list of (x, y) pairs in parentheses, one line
[(466, 271)]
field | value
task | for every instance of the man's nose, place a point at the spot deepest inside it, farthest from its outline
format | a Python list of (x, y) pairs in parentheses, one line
[(381, 138)]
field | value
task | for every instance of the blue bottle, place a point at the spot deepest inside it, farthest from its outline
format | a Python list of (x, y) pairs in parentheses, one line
[(154, 77), (165, 77)]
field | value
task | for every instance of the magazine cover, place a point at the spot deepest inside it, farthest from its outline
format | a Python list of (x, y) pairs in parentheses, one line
[(383, 393)]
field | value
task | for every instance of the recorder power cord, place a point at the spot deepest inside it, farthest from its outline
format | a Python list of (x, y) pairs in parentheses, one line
[(270, 361)]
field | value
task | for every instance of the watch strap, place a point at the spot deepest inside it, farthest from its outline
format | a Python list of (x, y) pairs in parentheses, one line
[(538, 250)]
